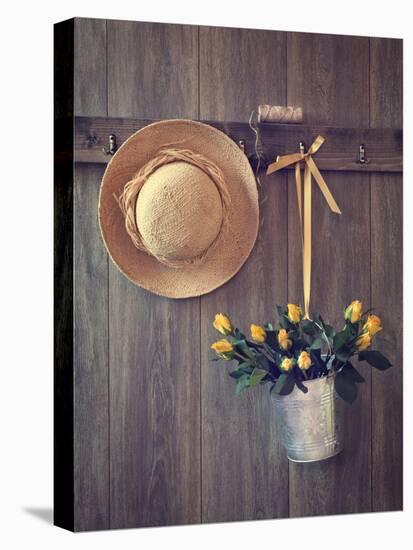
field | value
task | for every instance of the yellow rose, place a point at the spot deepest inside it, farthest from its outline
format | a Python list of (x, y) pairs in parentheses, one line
[(222, 324), (223, 348), (258, 334), (283, 340), (363, 341), (286, 364), (372, 325), (294, 313), (353, 311), (304, 360)]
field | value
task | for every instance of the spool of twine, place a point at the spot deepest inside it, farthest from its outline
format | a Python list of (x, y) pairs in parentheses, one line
[(129, 196), (278, 113)]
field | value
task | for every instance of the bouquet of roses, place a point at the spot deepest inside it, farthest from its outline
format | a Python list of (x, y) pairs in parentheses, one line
[(301, 349)]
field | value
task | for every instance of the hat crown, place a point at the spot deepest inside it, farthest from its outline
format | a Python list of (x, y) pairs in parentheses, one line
[(178, 211)]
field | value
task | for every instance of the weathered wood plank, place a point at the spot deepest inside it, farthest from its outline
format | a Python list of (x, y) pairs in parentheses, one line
[(387, 283), (91, 368), (328, 76), (154, 73), (90, 67), (154, 342), (90, 357), (340, 151), (244, 468)]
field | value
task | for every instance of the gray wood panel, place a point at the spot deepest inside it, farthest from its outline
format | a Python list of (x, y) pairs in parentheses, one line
[(244, 467), (387, 283), (154, 342), (153, 70), (328, 76), (90, 67), (90, 357), (91, 362)]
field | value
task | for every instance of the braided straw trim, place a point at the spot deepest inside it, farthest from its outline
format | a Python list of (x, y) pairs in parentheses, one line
[(129, 196)]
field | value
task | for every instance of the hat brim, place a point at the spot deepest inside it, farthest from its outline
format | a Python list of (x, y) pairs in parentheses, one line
[(234, 245)]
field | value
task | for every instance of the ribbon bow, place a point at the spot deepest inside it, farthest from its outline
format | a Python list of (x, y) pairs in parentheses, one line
[(310, 169)]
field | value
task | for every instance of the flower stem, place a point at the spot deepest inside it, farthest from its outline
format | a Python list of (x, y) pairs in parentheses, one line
[(330, 351)]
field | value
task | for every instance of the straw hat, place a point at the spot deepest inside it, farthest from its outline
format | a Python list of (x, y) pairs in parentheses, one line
[(178, 208)]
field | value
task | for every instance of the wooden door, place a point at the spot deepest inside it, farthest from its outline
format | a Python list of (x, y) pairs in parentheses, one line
[(158, 436)]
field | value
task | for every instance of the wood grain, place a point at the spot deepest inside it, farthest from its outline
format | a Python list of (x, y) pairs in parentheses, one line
[(387, 283), (91, 467), (328, 77), (244, 467), (152, 70), (339, 152), (154, 342), (239, 69), (91, 367), (90, 67)]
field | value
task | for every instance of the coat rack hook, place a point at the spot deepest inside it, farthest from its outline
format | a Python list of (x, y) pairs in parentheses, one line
[(112, 145), (362, 154)]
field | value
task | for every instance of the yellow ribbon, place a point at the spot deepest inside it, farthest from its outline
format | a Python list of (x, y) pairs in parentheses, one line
[(310, 169)]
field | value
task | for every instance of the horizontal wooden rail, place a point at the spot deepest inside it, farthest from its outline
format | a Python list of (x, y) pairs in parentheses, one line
[(383, 146)]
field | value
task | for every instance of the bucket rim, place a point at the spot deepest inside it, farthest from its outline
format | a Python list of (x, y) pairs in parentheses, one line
[(329, 375)]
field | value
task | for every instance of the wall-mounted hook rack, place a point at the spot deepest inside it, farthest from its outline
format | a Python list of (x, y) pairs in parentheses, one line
[(340, 152)]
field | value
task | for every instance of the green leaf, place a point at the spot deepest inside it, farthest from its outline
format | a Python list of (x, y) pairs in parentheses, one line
[(343, 353), (345, 386), (242, 384), (351, 372), (271, 339), (309, 327), (243, 347), (263, 361), (284, 385), (281, 311), (238, 334), (375, 359), (352, 329), (320, 320), (317, 344), (279, 383), (243, 368), (256, 377), (329, 330), (340, 339), (236, 374), (301, 386), (283, 319), (286, 323)]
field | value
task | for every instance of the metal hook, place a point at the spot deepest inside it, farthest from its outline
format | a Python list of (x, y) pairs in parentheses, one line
[(112, 145), (362, 154), (255, 159), (301, 145)]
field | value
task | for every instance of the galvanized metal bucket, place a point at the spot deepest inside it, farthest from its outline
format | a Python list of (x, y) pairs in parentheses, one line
[(311, 423)]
